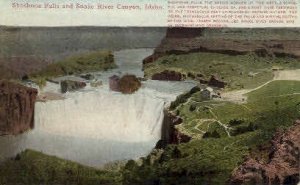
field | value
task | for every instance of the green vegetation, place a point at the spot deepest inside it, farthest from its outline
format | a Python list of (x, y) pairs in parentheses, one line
[(242, 71), (223, 133), (35, 168), (96, 61)]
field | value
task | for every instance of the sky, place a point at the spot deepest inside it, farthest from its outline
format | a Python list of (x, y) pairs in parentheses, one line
[(68, 17), (75, 17)]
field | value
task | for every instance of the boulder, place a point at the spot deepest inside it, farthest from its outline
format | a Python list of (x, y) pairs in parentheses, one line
[(128, 84), (16, 108), (114, 83), (70, 85)]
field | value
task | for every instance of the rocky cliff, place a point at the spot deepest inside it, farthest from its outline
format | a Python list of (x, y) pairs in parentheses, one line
[(282, 167), (263, 42), (170, 134), (16, 108)]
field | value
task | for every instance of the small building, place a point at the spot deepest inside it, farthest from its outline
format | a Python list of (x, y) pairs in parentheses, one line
[(207, 93), (114, 83)]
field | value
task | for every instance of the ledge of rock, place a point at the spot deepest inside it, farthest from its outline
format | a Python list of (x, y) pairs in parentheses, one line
[(16, 108), (168, 76)]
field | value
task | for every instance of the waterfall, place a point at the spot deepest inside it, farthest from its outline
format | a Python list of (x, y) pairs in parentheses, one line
[(102, 115), (94, 126)]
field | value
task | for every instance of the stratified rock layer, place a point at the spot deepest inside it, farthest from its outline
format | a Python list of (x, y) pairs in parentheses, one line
[(16, 108), (283, 165)]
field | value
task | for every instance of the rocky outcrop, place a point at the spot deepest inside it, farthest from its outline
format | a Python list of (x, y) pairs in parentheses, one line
[(215, 82), (170, 134), (129, 84), (282, 167), (16, 108), (168, 76), (70, 85)]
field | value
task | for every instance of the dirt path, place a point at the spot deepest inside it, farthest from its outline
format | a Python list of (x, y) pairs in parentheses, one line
[(239, 96), (287, 75)]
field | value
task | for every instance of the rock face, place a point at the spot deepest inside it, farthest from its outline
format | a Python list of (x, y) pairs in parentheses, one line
[(170, 135), (70, 85), (168, 76), (173, 34), (283, 165), (16, 108)]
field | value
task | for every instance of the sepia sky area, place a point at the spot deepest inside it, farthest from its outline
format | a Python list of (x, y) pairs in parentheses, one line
[(89, 17)]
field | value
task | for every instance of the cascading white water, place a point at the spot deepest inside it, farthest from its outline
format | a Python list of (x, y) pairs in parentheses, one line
[(103, 115), (95, 125)]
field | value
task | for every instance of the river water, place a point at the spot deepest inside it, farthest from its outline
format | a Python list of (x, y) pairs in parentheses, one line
[(95, 126)]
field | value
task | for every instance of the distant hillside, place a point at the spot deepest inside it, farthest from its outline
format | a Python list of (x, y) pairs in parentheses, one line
[(25, 50), (275, 42), (58, 42)]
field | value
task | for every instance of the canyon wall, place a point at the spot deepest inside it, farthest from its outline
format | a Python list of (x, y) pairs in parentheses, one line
[(271, 42), (16, 108)]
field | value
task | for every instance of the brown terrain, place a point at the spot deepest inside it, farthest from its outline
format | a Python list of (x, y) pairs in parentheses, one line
[(189, 40), (282, 166), (17, 67), (16, 107)]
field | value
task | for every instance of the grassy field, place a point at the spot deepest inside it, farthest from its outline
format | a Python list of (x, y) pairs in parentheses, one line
[(223, 134), (243, 71), (90, 62), (95, 61), (34, 168)]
